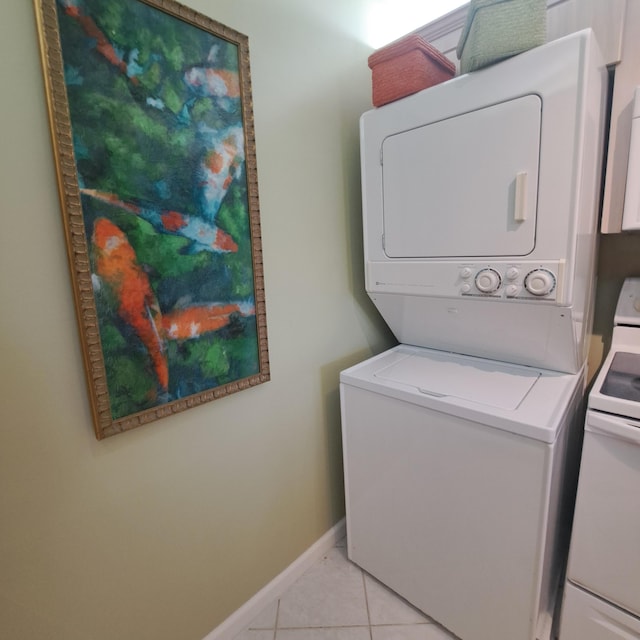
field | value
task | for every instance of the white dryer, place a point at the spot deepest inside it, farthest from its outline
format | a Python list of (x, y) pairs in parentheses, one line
[(460, 477), (480, 202)]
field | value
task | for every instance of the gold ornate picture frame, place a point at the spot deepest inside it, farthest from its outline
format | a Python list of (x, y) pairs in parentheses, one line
[(152, 126)]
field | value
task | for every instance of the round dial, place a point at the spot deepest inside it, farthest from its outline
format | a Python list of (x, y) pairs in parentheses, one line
[(488, 280), (540, 282)]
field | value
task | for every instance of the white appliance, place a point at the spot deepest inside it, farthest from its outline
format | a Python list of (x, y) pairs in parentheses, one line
[(631, 212), (460, 477), (480, 208), (602, 594), (480, 201)]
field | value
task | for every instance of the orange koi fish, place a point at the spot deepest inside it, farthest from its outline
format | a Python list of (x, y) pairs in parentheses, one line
[(116, 264), (103, 44), (192, 322)]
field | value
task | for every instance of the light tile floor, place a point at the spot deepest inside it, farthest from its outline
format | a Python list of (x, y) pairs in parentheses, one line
[(336, 600)]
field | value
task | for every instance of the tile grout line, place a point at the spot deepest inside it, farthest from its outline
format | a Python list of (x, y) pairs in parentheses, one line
[(275, 627), (366, 602), (330, 626), (355, 626)]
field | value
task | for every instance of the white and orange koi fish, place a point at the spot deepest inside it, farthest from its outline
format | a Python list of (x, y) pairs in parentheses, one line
[(211, 81), (206, 236), (221, 164)]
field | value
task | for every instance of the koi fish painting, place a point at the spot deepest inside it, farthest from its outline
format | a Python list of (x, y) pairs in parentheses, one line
[(152, 127)]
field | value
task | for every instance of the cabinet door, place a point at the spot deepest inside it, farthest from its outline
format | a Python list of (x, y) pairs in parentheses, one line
[(464, 186)]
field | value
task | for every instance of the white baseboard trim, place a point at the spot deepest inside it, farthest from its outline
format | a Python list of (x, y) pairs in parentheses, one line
[(240, 619)]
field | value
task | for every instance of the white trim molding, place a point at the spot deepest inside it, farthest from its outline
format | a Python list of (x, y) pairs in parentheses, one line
[(242, 617), (455, 20), (445, 25)]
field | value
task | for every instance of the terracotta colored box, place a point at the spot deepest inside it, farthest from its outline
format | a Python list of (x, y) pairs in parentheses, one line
[(405, 67)]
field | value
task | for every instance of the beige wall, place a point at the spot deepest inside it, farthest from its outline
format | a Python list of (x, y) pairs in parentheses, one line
[(164, 531), (619, 258)]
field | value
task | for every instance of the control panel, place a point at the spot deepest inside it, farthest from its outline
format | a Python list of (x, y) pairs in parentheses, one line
[(513, 280), (527, 280)]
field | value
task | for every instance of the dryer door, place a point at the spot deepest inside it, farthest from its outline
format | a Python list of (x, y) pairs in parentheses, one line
[(465, 186)]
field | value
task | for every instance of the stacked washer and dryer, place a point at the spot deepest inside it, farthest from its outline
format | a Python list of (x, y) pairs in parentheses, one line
[(461, 445)]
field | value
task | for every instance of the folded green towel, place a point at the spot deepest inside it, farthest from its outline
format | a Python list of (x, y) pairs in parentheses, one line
[(498, 29)]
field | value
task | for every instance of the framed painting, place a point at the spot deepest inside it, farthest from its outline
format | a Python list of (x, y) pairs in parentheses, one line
[(152, 127)]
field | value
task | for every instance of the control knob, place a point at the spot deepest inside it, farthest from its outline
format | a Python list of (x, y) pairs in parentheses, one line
[(512, 273), (465, 273), (512, 290), (488, 280), (540, 282)]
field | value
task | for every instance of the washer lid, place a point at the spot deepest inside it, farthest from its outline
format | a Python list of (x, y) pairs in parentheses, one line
[(486, 382), (521, 400)]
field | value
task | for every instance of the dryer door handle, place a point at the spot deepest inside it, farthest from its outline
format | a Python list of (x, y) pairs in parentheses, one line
[(520, 201), (617, 427)]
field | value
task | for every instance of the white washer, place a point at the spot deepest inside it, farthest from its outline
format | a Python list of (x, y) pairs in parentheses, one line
[(602, 597), (460, 474)]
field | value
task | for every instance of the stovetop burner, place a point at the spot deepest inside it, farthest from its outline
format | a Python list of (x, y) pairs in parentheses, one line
[(623, 378)]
